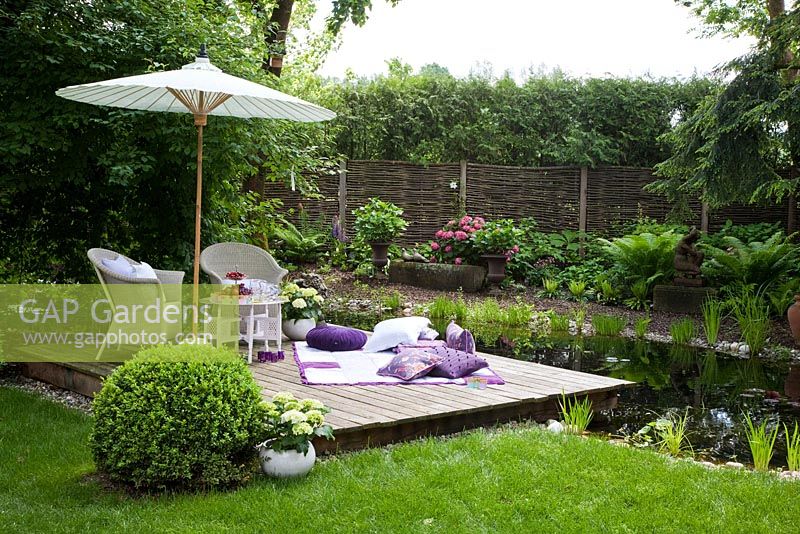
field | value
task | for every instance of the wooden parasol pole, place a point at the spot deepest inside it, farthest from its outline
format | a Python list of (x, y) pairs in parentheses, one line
[(199, 121)]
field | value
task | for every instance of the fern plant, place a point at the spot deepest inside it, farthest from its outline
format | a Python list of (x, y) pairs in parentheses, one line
[(645, 255), (577, 288), (550, 288), (296, 246), (758, 263)]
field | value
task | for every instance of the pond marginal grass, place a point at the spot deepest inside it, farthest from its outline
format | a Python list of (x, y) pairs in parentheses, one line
[(512, 479)]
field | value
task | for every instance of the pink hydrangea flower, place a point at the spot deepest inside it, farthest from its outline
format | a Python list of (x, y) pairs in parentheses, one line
[(434, 246), (451, 222), (461, 236), (479, 220), (439, 234), (449, 234), (466, 219), (515, 248), (448, 248), (473, 230), (478, 226), (457, 261)]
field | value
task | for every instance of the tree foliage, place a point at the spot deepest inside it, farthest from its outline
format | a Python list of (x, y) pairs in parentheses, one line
[(742, 144), (549, 119), (74, 176)]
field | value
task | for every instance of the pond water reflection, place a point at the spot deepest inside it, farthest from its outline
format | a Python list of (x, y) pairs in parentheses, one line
[(716, 388)]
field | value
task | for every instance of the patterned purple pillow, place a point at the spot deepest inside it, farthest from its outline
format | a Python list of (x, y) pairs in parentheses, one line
[(459, 339), (420, 344), (335, 338), (410, 364), (455, 363)]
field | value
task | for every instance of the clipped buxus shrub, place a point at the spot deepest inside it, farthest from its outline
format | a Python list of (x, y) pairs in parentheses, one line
[(178, 417)]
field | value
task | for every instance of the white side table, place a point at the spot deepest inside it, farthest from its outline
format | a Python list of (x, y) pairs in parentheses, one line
[(262, 320)]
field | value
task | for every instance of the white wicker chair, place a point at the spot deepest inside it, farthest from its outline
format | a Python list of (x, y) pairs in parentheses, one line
[(256, 263), (253, 261), (167, 286)]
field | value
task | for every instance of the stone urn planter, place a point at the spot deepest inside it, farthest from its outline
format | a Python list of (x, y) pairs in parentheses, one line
[(794, 318), (380, 254), (296, 329), (496, 264), (286, 464)]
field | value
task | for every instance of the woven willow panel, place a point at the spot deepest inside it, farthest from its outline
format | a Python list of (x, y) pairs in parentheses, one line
[(550, 195), (615, 196), (319, 211), (423, 191), (747, 214)]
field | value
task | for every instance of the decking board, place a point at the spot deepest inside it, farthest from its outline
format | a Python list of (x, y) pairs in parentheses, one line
[(364, 416)]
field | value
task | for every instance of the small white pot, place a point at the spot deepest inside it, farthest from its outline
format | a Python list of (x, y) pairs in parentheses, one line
[(286, 464), (296, 329)]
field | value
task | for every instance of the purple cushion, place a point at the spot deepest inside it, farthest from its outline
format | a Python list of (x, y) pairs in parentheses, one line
[(455, 363), (420, 344), (335, 338), (410, 364), (459, 339)]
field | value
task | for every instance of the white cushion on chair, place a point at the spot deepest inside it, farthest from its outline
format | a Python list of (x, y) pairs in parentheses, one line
[(120, 266), (144, 271)]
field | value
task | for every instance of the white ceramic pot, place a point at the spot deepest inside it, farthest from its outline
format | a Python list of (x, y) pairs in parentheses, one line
[(296, 329), (286, 464)]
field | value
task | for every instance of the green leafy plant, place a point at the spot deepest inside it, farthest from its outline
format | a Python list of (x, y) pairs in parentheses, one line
[(580, 319), (712, 319), (498, 237), (640, 291), (393, 301), (682, 331), (606, 292), (290, 424), (489, 311), (558, 322), (792, 447), (608, 325), (752, 316), (550, 288), (577, 288), (178, 417), (673, 436), (446, 308), (301, 302), (577, 414), (640, 326), (378, 221), (290, 244), (643, 256), (761, 441), (760, 264)]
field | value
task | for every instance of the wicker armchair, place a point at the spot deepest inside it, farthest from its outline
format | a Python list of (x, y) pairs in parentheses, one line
[(255, 262), (166, 287), (106, 276)]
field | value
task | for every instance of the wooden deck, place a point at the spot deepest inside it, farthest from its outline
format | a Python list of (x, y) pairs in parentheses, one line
[(364, 416)]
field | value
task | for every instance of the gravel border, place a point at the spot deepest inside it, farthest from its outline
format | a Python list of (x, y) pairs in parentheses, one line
[(67, 398)]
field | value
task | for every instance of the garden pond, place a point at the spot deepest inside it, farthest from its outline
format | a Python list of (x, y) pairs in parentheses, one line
[(716, 388)]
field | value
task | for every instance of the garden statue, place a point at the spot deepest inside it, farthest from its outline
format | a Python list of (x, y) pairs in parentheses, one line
[(688, 260)]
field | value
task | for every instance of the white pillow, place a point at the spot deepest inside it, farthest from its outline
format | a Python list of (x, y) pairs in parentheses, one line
[(144, 271), (391, 332), (428, 334), (119, 265)]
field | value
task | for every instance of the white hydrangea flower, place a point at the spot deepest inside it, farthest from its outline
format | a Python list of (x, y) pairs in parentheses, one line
[(301, 429), (318, 299), (283, 397), (299, 303), (311, 404), (308, 291), (294, 417)]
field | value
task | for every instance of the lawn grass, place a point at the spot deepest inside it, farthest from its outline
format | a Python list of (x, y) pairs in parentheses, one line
[(508, 480)]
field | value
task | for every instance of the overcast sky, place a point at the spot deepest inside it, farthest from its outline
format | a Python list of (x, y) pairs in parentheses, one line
[(582, 37)]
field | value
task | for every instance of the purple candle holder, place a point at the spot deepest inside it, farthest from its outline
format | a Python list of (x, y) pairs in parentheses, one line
[(262, 356)]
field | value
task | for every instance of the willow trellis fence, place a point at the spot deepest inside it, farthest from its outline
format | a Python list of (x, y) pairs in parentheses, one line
[(578, 198)]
